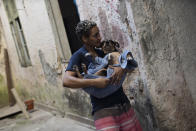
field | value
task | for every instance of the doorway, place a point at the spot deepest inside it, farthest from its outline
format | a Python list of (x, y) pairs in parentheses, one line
[(70, 18)]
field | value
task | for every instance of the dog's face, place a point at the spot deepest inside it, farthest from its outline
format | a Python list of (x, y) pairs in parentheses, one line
[(109, 46)]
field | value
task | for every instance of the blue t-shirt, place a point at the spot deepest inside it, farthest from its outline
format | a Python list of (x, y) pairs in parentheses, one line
[(117, 97)]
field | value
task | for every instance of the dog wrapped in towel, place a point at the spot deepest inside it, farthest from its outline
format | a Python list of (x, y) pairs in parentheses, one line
[(100, 67)]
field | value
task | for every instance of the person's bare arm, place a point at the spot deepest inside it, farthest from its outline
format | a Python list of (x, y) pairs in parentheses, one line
[(71, 81), (118, 73)]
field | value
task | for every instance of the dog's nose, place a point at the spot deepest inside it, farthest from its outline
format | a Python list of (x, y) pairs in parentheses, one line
[(107, 43)]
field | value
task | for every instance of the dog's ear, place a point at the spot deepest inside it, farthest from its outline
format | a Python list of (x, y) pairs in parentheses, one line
[(117, 44)]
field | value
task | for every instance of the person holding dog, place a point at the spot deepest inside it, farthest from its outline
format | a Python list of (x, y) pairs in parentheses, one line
[(113, 112)]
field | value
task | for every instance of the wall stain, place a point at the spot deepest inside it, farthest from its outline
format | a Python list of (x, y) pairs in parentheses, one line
[(78, 101), (122, 10), (104, 25), (49, 72)]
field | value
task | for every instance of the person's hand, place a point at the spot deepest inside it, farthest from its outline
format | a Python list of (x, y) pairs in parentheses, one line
[(101, 82), (116, 75)]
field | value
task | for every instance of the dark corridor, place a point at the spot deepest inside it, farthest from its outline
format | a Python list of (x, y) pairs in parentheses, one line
[(70, 18)]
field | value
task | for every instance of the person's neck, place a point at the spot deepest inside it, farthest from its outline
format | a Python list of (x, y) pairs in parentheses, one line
[(91, 50)]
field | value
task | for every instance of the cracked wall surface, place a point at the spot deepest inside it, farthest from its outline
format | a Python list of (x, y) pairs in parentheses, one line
[(166, 31)]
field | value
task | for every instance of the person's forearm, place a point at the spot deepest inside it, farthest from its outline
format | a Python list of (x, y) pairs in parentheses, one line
[(73, 82)]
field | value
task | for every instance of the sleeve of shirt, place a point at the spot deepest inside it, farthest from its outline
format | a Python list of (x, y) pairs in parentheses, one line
[(75, 60)]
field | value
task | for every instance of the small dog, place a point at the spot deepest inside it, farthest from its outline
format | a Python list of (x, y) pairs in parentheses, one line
[(109, 47)]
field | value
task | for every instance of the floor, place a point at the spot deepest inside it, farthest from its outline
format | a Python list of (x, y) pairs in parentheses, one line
[(41, 121)]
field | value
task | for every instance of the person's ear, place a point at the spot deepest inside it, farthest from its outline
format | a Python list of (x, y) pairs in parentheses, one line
[(84, 39)]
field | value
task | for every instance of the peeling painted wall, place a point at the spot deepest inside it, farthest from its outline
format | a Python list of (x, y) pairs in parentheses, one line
[(166, 31)]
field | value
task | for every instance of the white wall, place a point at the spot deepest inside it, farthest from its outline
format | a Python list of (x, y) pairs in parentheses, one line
[(39, 36), (41, 81)]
